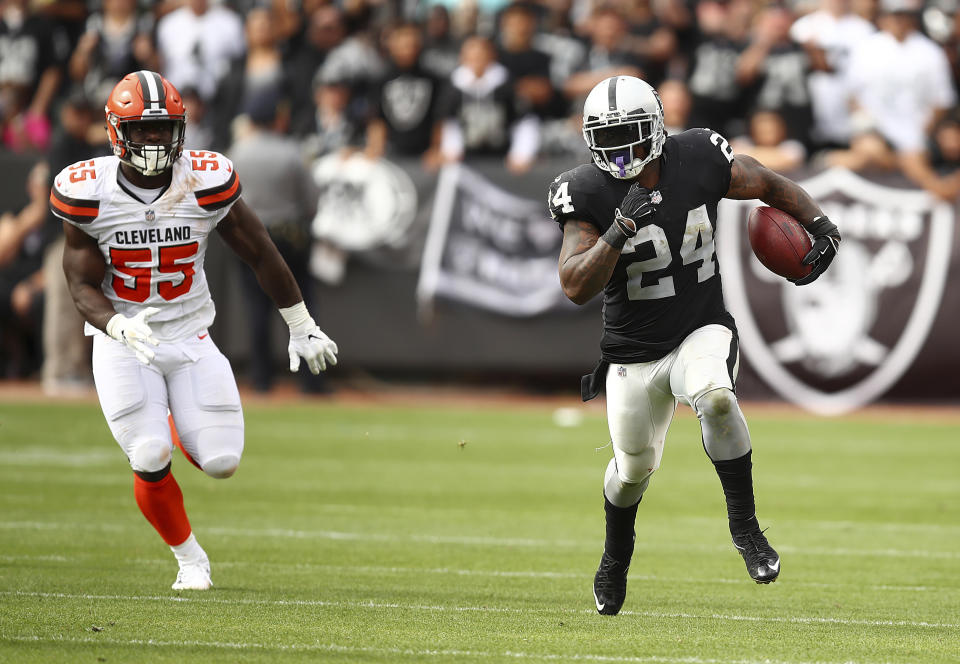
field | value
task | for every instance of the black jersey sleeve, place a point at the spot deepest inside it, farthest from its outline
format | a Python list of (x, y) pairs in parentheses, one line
[(576, 195), (711, 155)]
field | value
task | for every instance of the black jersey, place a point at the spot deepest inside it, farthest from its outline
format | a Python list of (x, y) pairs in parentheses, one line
[(666, 283)]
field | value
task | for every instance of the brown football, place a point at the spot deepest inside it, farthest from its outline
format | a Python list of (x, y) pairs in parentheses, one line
[(779, 241)]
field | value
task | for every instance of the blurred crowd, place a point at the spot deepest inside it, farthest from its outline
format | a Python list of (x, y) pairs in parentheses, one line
[(869, 85)]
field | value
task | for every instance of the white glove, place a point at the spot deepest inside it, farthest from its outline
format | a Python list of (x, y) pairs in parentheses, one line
[(308, 341), (135, 333)]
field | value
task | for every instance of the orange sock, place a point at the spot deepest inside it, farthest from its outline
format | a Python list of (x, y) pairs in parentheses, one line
[(176, 441), (162, 503)]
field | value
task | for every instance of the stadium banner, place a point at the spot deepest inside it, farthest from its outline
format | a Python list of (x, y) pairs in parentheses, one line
[(489, 248), (848, 338)]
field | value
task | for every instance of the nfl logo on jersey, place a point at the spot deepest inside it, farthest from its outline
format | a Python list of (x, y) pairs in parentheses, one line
[(622, 372), (656, 197), (150, 216)]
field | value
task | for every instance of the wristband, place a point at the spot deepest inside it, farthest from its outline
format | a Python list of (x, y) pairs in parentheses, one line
[(111, 327), (823, 226), (615, 236), (297, 317)]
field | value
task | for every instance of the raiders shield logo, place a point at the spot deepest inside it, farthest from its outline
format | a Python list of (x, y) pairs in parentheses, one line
[(363, 204), (843, 341)]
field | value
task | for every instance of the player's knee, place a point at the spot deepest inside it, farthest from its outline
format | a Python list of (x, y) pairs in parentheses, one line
[(717, 404), (635, 470), (221, 467), (150, 456)]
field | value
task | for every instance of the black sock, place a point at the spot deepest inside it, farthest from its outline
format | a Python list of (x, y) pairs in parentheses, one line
[(620, 534), (736, 477)]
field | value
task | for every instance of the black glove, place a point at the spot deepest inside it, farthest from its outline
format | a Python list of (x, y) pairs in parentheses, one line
[(634, 208), (826, 241)]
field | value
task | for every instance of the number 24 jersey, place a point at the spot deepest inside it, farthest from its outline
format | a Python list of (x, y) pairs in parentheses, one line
[(153, 251), (666, 282)]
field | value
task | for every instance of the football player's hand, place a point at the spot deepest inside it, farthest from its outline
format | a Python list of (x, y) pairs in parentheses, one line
[(315, 347), (635, 207), (135, 333), (307, 341), (826, 242)]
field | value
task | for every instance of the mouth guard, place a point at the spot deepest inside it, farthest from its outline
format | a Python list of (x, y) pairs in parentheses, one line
[(623, 171)]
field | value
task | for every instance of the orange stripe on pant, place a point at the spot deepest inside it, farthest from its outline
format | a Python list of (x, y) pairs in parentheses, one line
[(175, 437)]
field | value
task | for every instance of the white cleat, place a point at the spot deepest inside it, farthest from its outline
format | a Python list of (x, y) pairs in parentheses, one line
[(194, 576)]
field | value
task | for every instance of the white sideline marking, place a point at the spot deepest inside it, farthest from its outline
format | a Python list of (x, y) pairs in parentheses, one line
[(476, 609), (460, 539), (512, 574), (411, 652), (55, 458)]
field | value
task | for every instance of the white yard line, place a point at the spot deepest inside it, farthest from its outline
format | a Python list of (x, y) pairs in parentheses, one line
[(406, 652), (458, 539), (800, 620), (510, 574)]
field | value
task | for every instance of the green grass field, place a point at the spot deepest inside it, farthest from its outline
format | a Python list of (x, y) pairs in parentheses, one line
[(450, 534)]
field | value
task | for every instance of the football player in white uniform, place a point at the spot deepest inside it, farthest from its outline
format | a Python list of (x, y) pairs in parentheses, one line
[(137, 226)]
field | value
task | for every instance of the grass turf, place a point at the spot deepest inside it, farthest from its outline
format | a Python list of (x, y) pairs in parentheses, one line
[(387, 534)]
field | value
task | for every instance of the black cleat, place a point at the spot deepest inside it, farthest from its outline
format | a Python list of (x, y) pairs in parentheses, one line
[(610, 585), (763, 563)]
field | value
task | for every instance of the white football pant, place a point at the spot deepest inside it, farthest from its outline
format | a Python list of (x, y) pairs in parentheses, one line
[(193, 380), (642, 398)]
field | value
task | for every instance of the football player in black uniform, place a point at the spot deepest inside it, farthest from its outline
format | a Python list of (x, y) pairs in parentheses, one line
[(638, 225)]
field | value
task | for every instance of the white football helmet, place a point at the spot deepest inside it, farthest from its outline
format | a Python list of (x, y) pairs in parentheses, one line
[(623, 125)]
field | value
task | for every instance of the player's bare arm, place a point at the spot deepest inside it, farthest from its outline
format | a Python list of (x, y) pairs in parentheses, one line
[(751, 179), (587, 258), (586, 263), (245, 234), (84, 267)]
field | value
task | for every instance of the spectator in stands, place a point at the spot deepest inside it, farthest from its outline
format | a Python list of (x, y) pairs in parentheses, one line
[(325, 30), (676, 100), (777, 69), (339, 120), (355, 59), (718, 100), (650, 39), (830, 36), (197, 43), (945, 144), (279, 188), (769, 143), (21, 278), (529, 68), (199, 132), (116, 42), (257, 73), (607, 55), (482, 114), (31, 54), (441, 52), (901, 86), (66, 351), (404, 104)]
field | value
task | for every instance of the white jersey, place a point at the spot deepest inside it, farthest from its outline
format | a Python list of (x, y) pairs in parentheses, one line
[(154, 251)]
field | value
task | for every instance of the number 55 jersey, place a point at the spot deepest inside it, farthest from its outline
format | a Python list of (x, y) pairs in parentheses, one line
[(666, 282), (153, 251)]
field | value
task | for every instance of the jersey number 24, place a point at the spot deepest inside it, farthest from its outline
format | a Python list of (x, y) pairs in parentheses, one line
[(699, 231)]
